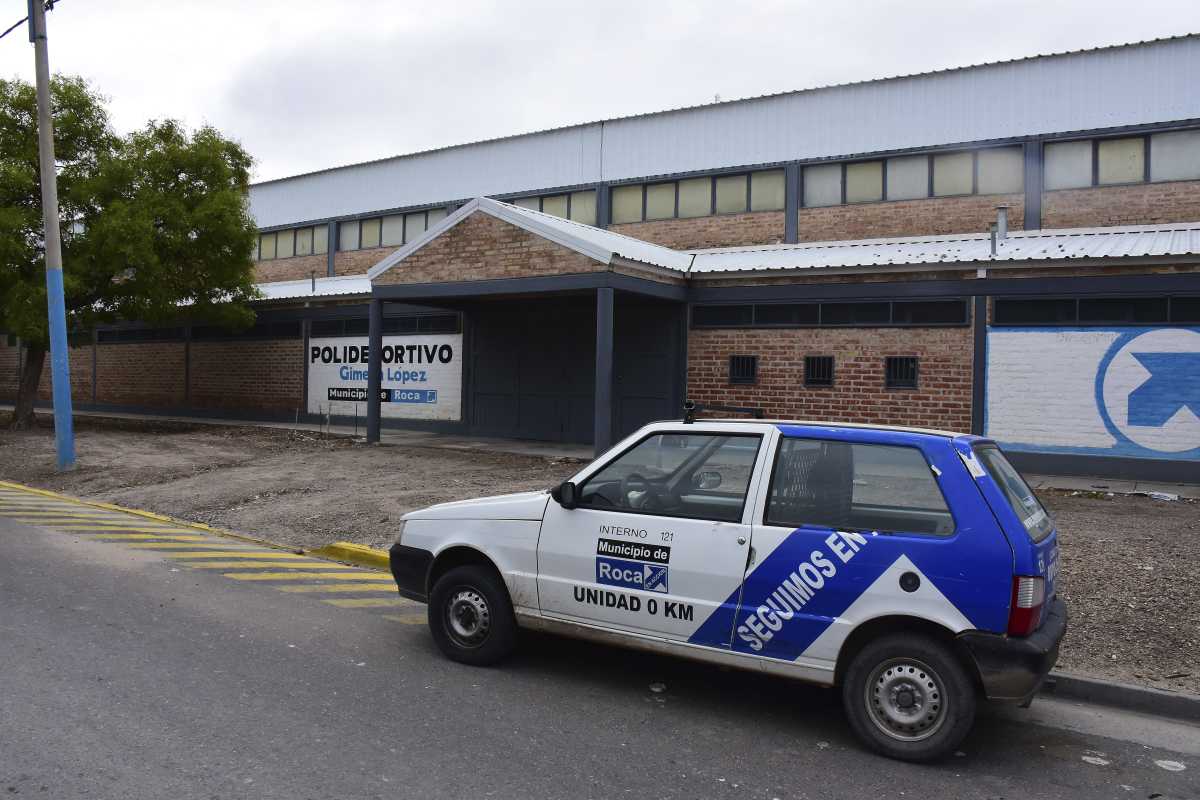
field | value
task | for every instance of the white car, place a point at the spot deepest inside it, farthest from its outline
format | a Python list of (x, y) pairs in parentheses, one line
[(914, 569)]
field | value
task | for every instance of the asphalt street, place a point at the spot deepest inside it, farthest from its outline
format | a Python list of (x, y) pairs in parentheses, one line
[(126, 673)]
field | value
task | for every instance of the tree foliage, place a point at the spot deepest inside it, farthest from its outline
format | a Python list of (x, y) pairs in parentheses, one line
[(155, 223)]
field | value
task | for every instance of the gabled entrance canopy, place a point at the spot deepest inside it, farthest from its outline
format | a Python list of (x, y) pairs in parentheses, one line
[(488, 250)]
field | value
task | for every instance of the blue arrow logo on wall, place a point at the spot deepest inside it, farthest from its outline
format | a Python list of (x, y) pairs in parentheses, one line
[(1174, 383)]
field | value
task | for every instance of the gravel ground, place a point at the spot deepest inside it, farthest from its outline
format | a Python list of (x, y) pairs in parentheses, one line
[(1130, 565)]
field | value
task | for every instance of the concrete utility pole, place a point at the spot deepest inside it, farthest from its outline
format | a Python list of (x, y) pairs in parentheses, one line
[(60, 373)]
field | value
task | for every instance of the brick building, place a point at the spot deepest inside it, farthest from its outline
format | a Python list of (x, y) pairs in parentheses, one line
[(1010, 248)]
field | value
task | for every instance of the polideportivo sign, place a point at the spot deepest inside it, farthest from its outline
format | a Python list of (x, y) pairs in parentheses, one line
[(422, 376)]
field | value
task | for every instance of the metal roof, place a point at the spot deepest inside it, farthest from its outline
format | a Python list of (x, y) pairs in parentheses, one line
[(1023, 246), (324, 287), (596, 243), (1150, 82)]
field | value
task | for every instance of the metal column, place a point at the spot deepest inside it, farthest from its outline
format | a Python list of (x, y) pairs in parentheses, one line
[(979, 364), (1033, 186), (374, 368), (604, 370)]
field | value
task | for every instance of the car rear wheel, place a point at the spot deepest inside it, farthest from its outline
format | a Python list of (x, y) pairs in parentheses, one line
[(908, 696), (471, 617)]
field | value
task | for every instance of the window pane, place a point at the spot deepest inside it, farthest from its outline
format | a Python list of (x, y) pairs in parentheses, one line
[(1001, 170), (823, 185), (787, 314), (1185, 309), (1034, 312), (908, 177), (393, 230), (864, 182), (767, 191), (722, 316), (321, 239), (1068, 165), (583, 207), (304, 241), (1123, 309), (414, 225), (731, 194), (1020, 497), (1121, 160), (267, 246), (953, 173), (1175, 156), (627, 203), (856, 487), (855, 314), (695, 197), (285, 246), (348, 235), (370, 232), (433, 216), (556, 205), (710, 474), (532, 203), (929, 312), (660, 201)]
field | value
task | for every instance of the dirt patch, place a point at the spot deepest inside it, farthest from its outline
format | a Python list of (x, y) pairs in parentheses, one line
[(1130, 565), (297, 488)]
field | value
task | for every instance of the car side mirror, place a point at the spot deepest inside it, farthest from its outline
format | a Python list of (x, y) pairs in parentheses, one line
[(566, 494)]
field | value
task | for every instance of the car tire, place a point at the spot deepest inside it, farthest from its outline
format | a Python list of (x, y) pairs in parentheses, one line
[(909, 697), (471, 617)]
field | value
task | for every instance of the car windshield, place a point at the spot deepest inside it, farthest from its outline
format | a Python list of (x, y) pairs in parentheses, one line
[(1020, 497)]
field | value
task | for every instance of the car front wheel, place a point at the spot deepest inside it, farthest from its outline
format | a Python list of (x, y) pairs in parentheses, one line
[(909, 697), (471, 617)]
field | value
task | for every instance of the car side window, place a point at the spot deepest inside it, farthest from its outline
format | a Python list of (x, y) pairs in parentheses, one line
[(700, 476), (863, 487)]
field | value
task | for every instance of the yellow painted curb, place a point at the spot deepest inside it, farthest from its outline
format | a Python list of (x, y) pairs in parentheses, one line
[(353, 553), (200, 526), (338, 551)]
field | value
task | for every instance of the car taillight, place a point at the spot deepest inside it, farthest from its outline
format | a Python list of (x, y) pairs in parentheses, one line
[(1028, 594)]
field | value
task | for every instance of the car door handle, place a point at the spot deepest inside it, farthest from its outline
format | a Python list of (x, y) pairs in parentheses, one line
[(741, 540)]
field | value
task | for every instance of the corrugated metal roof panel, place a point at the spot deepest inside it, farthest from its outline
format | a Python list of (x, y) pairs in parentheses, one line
[(1082, 243), (325, 287), (1109, 87)]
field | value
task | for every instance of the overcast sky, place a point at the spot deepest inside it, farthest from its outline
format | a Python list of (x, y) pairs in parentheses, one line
[(308, 85)]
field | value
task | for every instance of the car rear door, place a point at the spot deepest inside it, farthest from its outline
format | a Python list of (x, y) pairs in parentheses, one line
[(659, 541), (859, 524)]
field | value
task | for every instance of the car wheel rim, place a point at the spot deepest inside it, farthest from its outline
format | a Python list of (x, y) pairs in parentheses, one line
[(906, 700), (468, 619)]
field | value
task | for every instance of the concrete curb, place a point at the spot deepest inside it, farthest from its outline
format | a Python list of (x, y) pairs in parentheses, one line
[(1158, 702), (352, 553)]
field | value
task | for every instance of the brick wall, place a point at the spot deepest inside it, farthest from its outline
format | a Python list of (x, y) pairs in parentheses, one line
[(942, 399), (80, 360), (290, 269), (142, 374), (1142, 204), (724, 230), (10, 367), (357, 262), (929, 217), (482, 247), (251, 375)]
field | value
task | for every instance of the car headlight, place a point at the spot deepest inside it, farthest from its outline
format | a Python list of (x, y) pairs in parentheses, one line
[(400, 532)]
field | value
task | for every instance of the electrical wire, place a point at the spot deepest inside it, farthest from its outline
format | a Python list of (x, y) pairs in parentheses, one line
[(49, 6)]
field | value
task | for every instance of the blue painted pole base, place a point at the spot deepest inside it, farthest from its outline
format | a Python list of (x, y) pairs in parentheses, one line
[(60, 371)]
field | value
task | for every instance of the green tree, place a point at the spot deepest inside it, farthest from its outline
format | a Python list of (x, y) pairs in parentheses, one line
[(155, 224)]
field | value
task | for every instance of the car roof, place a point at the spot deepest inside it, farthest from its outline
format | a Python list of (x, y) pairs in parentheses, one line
[(807, 423)]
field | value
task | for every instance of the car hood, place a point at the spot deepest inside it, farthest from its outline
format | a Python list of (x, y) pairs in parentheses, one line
[(523, 505)]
